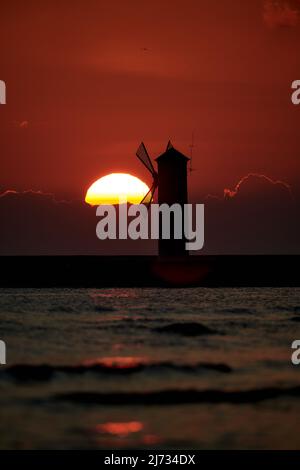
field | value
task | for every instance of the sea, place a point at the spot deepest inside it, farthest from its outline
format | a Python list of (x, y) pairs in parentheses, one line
[(197, 368)]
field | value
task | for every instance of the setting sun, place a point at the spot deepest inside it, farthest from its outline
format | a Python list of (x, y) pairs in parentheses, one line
[(116, 187)]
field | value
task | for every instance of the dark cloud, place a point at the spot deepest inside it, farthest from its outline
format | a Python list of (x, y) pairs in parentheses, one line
[(259, 217), (280, 14), (255, 182), (35, 223)]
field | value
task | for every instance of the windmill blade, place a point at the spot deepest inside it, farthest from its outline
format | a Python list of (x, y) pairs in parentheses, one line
[(148, 198), (154, 188), (143, 156)]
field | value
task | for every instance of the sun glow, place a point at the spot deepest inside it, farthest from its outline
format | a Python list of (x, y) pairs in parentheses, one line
[(116, 187)]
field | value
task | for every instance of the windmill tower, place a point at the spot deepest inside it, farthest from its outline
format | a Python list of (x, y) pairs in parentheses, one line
[(171, 181)]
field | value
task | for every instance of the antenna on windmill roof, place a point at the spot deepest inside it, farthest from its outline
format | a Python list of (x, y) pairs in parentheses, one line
[(191, 147)]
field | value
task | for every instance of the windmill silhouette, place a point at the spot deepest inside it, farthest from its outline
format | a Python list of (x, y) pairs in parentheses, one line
[(171, 181)]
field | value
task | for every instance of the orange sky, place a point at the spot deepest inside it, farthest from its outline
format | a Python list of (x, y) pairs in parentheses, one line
[(88, 80)]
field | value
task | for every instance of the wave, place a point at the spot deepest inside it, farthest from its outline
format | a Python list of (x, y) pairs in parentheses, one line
[(285, 308), (44, 372), (177, 397), (237, 310), (186, 329), (104, 308)]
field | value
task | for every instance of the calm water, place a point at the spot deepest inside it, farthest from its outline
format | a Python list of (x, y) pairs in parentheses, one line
[(149, 368)]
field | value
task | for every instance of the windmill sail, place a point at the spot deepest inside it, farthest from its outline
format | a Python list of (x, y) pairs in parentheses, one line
[(148, 199), (143, 156)]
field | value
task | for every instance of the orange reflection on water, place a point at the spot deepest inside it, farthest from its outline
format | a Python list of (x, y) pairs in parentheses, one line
[(151, 439), (181, 273), (113, 293), (120, 429), (117, 362)]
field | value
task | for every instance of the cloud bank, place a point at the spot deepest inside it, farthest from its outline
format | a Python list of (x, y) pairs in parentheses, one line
[(258, 216), (280, 14)]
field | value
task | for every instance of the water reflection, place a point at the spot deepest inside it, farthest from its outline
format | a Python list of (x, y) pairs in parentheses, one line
[(119, 429)]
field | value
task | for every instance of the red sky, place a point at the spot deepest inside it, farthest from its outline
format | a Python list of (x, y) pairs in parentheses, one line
[(88, 80)]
